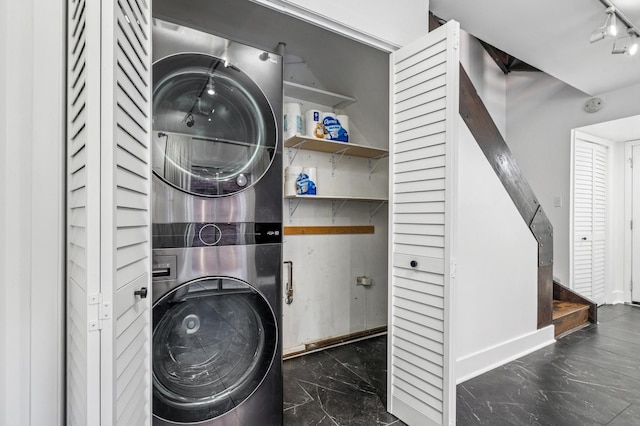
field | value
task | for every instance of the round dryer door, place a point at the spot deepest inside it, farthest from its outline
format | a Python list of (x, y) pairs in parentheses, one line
[(215, 133), (214, 341)]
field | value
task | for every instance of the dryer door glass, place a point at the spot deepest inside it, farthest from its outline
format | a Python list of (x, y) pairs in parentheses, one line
[(214, 132), (214, 341)]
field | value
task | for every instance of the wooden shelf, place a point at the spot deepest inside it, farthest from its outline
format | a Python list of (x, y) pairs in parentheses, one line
[(328, 230), (337, 202), (332, 147), (318, 96), (336, 198)]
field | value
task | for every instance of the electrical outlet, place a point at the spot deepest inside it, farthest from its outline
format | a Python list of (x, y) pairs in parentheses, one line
[(364, 281)]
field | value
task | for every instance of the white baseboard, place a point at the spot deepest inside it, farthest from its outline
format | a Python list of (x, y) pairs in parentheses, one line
[(487, 359), (618, 297)]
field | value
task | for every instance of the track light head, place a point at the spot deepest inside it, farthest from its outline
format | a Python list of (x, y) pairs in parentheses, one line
[(627, 45), (609, 29), (612, 25)]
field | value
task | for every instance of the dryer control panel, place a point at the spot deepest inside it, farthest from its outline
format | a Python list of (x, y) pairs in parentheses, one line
[(183, 235)]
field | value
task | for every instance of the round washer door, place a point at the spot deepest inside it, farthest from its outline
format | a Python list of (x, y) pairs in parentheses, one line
[(214, 132), (214, 341)]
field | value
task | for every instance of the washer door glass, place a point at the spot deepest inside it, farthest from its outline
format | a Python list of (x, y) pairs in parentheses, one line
[(214, 132), (213, 343)]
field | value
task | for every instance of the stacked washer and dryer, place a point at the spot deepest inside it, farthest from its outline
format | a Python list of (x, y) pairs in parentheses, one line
[(217, 230)]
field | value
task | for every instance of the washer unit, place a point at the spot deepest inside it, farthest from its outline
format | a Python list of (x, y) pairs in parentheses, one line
[(217, 357), (217, 142), (217, 229)]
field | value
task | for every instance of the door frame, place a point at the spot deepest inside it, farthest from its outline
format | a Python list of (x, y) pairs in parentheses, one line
[(628, 216), (576, 133)]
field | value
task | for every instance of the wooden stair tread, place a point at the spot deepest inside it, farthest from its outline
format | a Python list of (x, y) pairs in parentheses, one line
[(569, 316), (563, 308)]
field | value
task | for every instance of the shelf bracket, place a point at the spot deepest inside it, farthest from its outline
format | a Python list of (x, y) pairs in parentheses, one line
[(373, 163), (335, 208), (292, 151), (334, 161), (372, 211), (293, 206)]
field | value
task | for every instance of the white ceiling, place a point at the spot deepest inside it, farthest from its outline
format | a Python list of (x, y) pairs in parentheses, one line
[(553, 36), (621, 130)]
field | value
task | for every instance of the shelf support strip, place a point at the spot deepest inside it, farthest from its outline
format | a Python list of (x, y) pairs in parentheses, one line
[(335, 209), (335, 162), (372, 165), (293, 206), (373, 212), (292, 152)]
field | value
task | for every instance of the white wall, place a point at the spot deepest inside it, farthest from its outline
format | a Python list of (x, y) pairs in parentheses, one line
[(4, 290), (542, 111), (31, 212), (395, 25), (487, 78), (496, 295), (327, 301)]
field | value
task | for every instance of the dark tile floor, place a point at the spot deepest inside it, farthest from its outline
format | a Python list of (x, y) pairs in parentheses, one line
[(344, 386), (591, 377)]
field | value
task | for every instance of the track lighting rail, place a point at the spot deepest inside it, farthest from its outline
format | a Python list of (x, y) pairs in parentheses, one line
[(621, 17)]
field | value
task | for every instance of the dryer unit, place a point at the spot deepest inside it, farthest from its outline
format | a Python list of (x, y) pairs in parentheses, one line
[(217, 142), (217, 229), (217, 357)]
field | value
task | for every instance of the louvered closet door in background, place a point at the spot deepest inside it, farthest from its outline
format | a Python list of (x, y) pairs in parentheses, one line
[(635, 217), (590, 219), (424, 118), (109, 244)]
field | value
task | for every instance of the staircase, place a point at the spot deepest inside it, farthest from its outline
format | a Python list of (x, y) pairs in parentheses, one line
[(558, 305), (571, 311)]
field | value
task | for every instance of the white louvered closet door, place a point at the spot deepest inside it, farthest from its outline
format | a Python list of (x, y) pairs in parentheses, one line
[(635, 218), (424, 118), (590, 219), (83, 214), (109, 221)]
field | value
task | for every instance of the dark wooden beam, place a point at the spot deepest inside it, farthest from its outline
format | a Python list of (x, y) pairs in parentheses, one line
[(499, 57), (477, 118), (434, 22), (518, 65), (506, 62)]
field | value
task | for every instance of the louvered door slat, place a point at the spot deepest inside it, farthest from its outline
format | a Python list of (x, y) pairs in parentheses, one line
[(427, 141)]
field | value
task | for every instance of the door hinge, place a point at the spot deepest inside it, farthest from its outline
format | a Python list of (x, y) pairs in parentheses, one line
[(98, 311)]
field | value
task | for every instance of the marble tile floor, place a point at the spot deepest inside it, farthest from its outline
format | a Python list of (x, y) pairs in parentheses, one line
[(342, 386), (591, 377)]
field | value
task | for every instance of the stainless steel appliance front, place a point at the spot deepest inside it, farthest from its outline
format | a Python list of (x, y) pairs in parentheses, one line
[(217, 357), (217, 142), (217, 226)]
